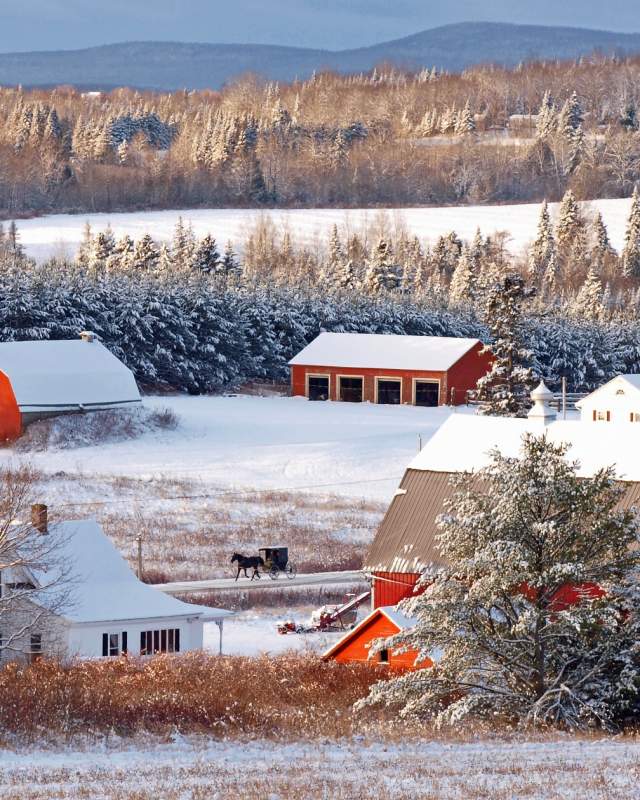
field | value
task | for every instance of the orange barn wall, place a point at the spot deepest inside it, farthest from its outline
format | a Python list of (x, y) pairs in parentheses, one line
[(393, 587), (358, 648), (10, 417)]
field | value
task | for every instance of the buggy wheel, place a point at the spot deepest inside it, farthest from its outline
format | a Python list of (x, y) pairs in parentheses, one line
[(290, 570), (273, 573)]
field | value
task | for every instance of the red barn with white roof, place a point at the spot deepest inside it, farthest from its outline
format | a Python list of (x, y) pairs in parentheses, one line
[(389, 369)]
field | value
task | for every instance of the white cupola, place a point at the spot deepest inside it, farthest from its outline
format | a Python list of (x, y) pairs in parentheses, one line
[(541, 409)]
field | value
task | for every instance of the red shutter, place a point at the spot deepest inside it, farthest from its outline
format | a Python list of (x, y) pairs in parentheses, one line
[(608, 416)]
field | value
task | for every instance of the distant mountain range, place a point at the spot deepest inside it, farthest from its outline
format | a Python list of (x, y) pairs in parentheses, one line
[(174, 65)]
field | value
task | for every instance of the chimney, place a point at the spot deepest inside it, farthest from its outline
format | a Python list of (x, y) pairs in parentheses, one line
[(541, 409), (40, 517), (87, 336)]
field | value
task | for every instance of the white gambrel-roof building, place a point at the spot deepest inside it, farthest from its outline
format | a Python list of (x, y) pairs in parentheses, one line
[(45, 378)]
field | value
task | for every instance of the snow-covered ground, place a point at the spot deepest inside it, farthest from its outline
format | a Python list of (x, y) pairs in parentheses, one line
[(251, 633), (241, 442), (356, 769), (60, 234)]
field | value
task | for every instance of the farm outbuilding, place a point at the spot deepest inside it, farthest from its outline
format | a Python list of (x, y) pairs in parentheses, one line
[(389, 369), (41, 379), (406, 541), (381, 623)]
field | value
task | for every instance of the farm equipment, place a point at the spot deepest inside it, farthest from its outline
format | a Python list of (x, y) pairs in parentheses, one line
[(328, 618)]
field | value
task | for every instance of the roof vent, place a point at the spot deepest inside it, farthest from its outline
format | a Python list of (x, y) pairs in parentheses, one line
[(40, 517), (88, 336), (541, 410)]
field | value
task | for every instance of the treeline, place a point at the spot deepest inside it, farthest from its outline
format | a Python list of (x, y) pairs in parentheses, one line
[(201, 331), (387, 138)]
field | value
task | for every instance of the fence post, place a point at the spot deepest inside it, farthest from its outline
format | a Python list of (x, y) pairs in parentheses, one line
[(564, 398), (419, 442)]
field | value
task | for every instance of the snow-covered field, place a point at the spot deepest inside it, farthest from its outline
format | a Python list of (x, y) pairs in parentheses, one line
[(60, 234), (203, 769), (278, 443)]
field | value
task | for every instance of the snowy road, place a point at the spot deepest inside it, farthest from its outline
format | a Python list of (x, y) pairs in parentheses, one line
[(229, 584), (61, 234)]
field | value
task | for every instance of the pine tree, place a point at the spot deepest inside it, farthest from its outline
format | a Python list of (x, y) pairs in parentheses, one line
[(547, 119), (543, 248), (576, 150), (513, 536), (631, 251), (588, 303), (569, 220), (461, 287), (602, 246), (382, 274), (206, 258), (83, 254), (465, 122), (183, 245), (145, 254), (505, 390), (230, 267)]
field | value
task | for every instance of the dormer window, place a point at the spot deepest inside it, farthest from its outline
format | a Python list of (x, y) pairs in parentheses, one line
[(620, 391)]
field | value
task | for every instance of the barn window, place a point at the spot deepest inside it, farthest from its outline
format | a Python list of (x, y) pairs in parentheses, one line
[(427, 393), (351, 390), (389, 391), (318, 387), (384, 656), (166, 640), (111, 644)]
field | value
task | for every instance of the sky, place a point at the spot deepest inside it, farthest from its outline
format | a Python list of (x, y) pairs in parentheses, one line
[(332, 24)]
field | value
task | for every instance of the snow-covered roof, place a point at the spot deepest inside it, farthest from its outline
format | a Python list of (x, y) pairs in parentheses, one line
[(102, 587), (384, 351), (632, 381), (400, 620), (463, 441), (63, 375)]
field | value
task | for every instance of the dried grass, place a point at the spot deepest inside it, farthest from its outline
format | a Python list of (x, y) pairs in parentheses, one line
[(80, 430), (287, 696)]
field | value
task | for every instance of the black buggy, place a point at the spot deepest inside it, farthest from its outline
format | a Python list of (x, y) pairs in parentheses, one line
[(276, 560)]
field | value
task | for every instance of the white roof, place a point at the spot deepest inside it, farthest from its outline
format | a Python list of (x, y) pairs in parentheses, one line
[(384, 351), (400, 620), (463, 442), (102, 587), (631, 380), (51, 375)]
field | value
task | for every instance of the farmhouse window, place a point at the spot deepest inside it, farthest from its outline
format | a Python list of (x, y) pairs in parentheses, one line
[(166, 640), (634, 416), (389, 391), (36, 647), (113, 644), (318, 387), (351, 390), (427, 393)]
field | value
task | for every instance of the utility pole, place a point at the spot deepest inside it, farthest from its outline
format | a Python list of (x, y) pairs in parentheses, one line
[(139, 542)]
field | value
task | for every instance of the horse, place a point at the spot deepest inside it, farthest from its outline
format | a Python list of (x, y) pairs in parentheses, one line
[(248, 562)]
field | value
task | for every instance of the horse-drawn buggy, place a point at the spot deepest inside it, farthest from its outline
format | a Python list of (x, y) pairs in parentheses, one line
[(272, 561)]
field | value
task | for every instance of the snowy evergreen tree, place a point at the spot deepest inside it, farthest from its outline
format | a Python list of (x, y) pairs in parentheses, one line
[(543, 248), (462, 282), (513, 536), (631, 251), (601, 244), (230, 267), (569, 221), (183, 245), (465, 122), (206, 258), (505, 390), (547, 119), (145, 254), (588, 302), (382, 274)]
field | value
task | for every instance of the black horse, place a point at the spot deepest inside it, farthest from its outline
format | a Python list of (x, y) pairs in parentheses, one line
[(248, 562)]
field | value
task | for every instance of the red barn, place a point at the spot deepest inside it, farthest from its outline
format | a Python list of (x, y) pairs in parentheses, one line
[(388, 369), (380, 623), (406, 541)]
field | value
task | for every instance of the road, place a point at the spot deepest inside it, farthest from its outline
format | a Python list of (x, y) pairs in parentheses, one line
[(282, 582)]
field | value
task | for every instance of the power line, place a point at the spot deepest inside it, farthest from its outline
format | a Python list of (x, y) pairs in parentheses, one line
[(232, 493)]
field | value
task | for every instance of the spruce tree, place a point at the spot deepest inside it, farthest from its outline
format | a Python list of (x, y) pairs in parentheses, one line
[(382, 274), (206, 258), (507, 646), (505, 390), (588, 303), (631, 251), (461, 287), (547, 119), (569, 220), (544, 246), (145, 254)]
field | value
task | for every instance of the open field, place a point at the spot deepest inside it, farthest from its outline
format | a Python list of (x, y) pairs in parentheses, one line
[(61, 234), (349, 769)]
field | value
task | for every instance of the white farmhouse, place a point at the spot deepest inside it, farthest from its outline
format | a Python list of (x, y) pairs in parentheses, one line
[(617, 401), (105, 611)]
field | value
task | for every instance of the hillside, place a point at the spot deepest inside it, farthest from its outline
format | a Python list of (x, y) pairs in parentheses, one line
[(174, 65)]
